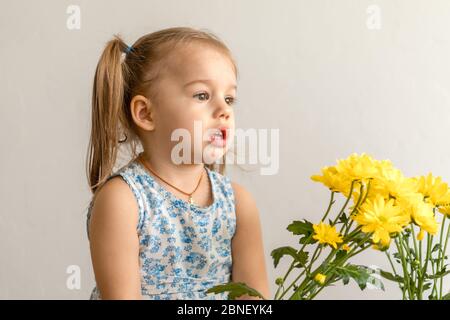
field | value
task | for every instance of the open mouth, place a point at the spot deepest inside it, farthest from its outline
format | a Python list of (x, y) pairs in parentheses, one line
[(219, 137)]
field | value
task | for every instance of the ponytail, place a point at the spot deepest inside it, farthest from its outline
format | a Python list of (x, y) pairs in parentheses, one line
[(108, 113), (117, 80)]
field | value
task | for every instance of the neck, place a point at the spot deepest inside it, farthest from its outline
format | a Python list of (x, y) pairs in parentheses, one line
[(184, 176)]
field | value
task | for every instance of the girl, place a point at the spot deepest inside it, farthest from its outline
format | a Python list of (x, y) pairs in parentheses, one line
[(160, 228)]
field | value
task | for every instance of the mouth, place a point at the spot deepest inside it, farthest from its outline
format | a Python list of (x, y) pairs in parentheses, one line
[(219, 137)]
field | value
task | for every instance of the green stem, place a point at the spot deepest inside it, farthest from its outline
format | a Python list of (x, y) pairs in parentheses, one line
[(350, 254), (358, 251), (427, 258), (333, 276), (434, 290), (314, 258), (444, 251), (278, 291), (330, 204), (310, 236), (392, 264), (291, 267), (346, 202), (347, 229), (361, 190), (411, 266), (418, 253), (305, 281), (352, 234), (305, 270), (405, 270), (438, 264)]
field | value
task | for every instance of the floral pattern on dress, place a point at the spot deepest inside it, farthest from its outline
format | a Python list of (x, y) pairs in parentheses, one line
[(184, 249)]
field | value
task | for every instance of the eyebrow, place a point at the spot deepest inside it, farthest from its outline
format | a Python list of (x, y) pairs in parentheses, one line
[(233, 86)]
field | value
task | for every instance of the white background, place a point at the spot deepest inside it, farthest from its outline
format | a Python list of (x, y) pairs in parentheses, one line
[(312, 69)]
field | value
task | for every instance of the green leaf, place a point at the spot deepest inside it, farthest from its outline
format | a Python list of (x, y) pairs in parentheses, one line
[(300, 257), (391, 277), (436, 247), (446, 297), (343, 218), (432, 296), (345, 279), (438, 275), (301, 228), (235, 289), (426, 286), (340, 254), (413, 253), (361, 274), (358, 238), (296, 296), (307, 240)]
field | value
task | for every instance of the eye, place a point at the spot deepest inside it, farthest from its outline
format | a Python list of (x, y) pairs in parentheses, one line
[(203, 96), (230, 100)]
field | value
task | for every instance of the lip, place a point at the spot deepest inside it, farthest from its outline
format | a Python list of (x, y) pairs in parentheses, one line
[(224, 131), (220, 142)]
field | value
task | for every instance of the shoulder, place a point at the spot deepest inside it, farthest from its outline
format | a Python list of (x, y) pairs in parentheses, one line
[(244, 202), (241, 192), (116, 191), (114, 205), (114, 241)]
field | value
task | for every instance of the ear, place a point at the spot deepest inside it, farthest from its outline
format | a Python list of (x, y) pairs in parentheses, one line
[(142, 111)]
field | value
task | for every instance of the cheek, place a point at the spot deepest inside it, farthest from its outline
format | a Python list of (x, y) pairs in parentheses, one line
[(175, 116), (185, 122), (232, 122)]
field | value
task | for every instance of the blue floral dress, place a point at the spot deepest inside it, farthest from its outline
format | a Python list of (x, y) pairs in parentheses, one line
[(184, 249)]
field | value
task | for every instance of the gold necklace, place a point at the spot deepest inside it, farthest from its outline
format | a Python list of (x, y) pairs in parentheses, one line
[(191, 200)]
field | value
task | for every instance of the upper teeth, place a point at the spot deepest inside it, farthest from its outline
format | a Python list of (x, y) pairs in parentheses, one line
[(218, 133)]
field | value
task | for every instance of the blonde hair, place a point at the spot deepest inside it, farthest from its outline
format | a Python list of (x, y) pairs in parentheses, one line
[(117, 80)]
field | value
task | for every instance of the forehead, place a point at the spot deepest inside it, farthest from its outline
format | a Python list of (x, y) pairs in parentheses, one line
[(200, 61)]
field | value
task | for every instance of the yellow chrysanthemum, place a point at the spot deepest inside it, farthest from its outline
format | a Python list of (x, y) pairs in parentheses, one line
[(420, 235), (355, 167), (377, 184), (445, 209), (358, 167), (325, 233), (333, 180), (393, 184), (433, 188), (444, 204), (376, 247), (346, 247), (422, 215), (381, 218), (320, 278)]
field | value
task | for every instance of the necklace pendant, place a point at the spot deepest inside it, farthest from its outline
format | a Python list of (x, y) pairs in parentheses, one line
[(191, 200)]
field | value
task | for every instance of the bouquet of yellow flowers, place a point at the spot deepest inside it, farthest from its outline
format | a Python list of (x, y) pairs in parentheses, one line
[(382, 210)]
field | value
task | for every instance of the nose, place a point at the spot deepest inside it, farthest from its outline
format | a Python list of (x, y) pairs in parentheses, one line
[(223, 110)]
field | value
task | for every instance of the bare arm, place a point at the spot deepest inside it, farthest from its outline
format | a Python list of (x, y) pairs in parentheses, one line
[(247, 245), (114, 242)]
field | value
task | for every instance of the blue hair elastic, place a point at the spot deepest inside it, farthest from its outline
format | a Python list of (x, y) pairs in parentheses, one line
[(128, 49)]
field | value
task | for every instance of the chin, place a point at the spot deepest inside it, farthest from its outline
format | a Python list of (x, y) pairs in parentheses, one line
[(213, 154)]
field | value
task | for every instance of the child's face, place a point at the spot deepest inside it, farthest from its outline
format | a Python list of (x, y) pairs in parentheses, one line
[(183, 103)]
